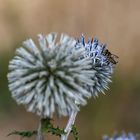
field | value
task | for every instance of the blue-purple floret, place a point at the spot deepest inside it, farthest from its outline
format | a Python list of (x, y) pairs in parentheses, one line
[(95, 51), (124, 136), (101, 64)]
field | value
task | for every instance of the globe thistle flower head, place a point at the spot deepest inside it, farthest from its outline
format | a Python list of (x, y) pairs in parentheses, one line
[(123, 136), (50, 78), (103, 62)]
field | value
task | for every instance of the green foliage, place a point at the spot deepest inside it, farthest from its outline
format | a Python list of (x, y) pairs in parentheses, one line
[(23, 134), (48, 127), (75, 132)]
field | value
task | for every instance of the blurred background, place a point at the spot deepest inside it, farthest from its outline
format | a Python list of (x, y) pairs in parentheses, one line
[(114, 22)]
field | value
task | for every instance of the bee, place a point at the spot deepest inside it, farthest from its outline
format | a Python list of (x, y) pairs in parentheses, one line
[(111, 57)]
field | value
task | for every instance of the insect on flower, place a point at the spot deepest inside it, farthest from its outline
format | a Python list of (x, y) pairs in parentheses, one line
[(111, 57), (103, 62)]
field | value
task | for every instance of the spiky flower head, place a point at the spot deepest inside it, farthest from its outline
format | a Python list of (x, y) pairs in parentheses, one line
[(50, 78), (123, 136), (103, 63)]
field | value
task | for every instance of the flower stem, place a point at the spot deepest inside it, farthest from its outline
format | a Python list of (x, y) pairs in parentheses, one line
[(39, 131), (69, 125)]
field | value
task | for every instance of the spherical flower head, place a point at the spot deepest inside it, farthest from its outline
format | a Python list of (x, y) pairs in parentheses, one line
[(103, 63), (123, 136), (50, 78)]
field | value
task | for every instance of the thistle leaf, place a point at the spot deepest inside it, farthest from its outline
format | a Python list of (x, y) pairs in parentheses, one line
[(23, 134)]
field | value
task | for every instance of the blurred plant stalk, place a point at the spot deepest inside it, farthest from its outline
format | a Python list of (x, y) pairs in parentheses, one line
[(69, 125), (40, 135)]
